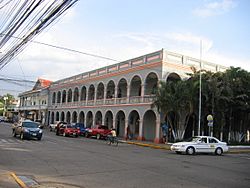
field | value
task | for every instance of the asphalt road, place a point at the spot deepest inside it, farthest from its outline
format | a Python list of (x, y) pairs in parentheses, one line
[(90, 163)]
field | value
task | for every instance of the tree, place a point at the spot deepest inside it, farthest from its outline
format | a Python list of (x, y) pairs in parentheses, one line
[(174, 100)]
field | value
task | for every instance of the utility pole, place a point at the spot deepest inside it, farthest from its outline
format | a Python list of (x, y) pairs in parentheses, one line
[(199, 124), (5, 106)]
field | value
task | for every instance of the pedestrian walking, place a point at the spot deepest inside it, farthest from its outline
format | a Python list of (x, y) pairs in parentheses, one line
[(164, 129)]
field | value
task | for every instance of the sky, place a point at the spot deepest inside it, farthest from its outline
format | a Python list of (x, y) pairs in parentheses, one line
[(123, 30)]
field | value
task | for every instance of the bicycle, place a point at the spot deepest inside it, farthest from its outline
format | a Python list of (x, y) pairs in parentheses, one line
[(112, 140)]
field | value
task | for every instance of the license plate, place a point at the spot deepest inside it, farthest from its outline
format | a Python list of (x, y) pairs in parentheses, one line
[(34, 134), (74, 133)]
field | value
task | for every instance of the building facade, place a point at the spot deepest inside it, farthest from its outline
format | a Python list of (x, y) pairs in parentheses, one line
[(34, 103), (120, 95)]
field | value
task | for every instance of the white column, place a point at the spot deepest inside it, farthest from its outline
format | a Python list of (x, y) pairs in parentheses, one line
[(157, 129), (125, 127), (140, 137), (128, 92)]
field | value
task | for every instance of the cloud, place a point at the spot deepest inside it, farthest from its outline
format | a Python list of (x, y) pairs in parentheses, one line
[(215, 8)]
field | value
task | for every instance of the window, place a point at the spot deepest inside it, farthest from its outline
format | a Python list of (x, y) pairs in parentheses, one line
[(204, 140), (212, 140)]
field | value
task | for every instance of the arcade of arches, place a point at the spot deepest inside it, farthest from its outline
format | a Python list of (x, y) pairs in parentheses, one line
[(141, 124), (141, 127)]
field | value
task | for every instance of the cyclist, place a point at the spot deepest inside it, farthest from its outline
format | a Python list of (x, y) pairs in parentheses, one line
[(113, 135)]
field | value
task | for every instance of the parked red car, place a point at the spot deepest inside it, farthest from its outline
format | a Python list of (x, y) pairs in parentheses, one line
[(100, 131), (67, 130)]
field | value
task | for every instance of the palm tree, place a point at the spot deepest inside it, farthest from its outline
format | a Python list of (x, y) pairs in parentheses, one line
[(173, 100)]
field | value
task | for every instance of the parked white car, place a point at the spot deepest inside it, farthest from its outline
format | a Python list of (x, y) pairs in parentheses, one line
[(200, 144)]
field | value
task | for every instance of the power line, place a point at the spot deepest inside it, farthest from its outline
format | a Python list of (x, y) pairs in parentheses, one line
[(69, 49), (27, 21)]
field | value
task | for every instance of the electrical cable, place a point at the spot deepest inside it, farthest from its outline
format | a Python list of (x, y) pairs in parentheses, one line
[(28, 21)]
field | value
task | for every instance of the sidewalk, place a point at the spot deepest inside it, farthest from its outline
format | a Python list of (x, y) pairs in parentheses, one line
[(7, 180), (232, 149)]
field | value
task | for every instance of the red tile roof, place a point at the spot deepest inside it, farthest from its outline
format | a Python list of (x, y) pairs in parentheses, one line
[(44, 83)]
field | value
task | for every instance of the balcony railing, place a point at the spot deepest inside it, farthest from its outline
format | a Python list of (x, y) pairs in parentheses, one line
[(33, 107), (114, 101)]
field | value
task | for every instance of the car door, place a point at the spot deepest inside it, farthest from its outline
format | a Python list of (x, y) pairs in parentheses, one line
[(212, 144), (202, 145)]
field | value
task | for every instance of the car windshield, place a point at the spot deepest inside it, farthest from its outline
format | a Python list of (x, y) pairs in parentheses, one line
[(69, 126), (30, 124)]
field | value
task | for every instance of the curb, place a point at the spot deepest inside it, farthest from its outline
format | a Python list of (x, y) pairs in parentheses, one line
[(18, 180), (233, 150)]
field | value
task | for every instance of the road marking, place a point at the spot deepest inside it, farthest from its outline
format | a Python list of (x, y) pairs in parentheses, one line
[(18, 180)]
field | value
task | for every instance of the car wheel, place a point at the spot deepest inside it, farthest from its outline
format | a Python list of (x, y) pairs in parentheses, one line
[(98, 136), (21, 136), (218, 151), (50, 129), (39, 138), (14, 133), (190, 150)]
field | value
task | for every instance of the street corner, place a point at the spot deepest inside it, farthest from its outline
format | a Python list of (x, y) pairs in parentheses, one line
[(7, 180)]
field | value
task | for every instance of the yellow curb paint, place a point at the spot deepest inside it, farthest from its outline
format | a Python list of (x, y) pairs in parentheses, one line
[(168, 147), (18, 180)]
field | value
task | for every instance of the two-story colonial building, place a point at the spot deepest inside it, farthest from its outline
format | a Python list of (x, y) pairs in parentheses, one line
[(120, 95), (34, 103)]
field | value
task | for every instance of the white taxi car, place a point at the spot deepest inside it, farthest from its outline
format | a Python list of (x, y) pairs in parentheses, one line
[(200, 144)]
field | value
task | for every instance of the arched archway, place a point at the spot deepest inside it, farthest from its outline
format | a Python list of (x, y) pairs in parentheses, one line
[(133, 124), (68, 117), (149, 125), (81, 117), (89, 119), (52, 117), (120, 123), (151, 84), (83, 93), (110, 90), (62, 116), (91, 92), (54, 98), (122, 88), (64, 96), (108, 119), (100, 91), (135, 86), (74, 117), (76, 94), (173, 77), (69, 96), (58, 100), (98, 118), (57, 116)]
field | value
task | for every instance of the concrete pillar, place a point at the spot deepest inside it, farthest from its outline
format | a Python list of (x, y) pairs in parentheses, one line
[(115, 94), (141, 137), (126, 128), (95, 95), (87, 96), (142, 91), (105, 93), (128, 93), (157, 129)]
